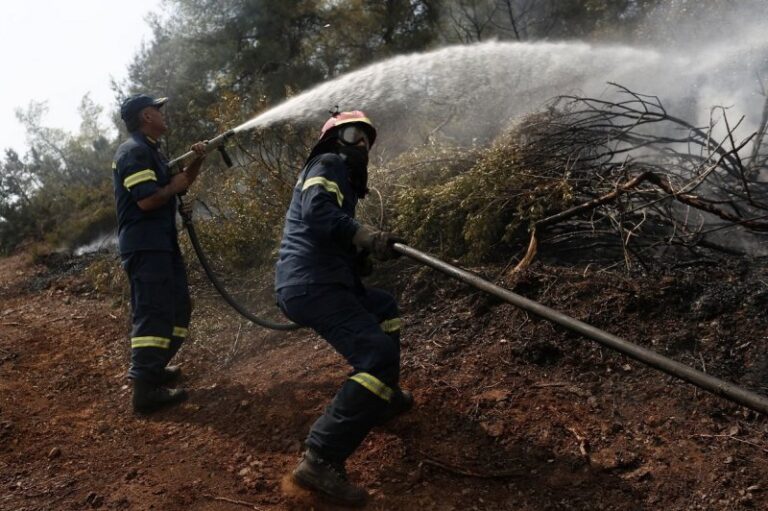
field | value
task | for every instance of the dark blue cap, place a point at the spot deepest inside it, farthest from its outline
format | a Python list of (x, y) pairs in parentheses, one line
[(132, 105)]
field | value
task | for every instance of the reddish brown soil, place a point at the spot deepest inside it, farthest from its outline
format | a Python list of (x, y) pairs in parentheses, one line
[(512, 414)]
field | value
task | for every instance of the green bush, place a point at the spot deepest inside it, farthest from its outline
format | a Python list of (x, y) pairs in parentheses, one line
[(108, 278), (86, 212), (484, 212)]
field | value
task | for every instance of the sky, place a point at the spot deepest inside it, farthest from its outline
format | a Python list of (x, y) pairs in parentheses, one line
[(57, 51)]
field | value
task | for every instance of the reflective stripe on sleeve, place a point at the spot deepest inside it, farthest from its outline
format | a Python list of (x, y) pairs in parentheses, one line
[(329, 186), (150, 342), (373, 384), (139, 177), (391, 325), (179, 331)]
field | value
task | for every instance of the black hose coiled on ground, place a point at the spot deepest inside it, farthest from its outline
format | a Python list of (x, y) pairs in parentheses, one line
[(266, 323)]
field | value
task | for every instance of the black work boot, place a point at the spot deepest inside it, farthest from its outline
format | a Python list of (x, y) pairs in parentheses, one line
[(171, 374), (148, 397), (329, 479), (401, 402)]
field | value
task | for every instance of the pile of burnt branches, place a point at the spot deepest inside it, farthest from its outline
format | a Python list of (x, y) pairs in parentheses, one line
[(646, 182)]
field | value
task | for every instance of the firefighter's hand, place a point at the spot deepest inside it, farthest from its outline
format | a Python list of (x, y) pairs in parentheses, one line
[(378, 243), (383, 248), (193, 168), (199, 149)]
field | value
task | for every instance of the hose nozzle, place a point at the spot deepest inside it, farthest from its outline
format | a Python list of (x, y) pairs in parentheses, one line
[(215, 143)]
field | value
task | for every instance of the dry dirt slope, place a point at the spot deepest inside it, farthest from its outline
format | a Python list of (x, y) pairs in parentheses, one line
[(512, 414)]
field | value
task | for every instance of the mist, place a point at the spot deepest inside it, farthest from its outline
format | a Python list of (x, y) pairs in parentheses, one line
[(708, 59)]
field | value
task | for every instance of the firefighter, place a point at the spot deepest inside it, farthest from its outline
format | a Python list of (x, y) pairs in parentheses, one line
[(323, 254), (145, 195)]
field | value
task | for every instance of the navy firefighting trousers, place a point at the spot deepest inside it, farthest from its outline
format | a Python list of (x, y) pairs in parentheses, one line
[(363, 326), (161, 310)]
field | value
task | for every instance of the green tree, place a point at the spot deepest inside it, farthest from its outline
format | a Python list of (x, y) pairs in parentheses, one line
[(258, 52), (17, 190), (468, 21), (61, 191)]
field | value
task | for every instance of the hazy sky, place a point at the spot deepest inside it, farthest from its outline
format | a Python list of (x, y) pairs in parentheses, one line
[(57, 51)]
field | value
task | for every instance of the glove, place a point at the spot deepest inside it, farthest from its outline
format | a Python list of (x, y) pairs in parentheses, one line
[(363, 263), (378, 243)]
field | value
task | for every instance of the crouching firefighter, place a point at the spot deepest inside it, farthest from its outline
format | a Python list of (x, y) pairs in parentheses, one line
[(322, 255), (145, 195)]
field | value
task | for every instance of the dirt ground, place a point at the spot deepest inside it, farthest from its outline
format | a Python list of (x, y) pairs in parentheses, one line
[(512, 413)]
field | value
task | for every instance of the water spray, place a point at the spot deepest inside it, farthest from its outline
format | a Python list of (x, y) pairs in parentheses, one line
[(526, 75)]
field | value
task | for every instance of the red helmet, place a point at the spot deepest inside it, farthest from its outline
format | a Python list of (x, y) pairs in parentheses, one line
[(339, 119)]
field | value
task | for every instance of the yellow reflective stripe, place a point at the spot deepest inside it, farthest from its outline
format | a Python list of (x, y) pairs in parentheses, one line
[(150, 342), (114, 165), (373, 384), (391, 325), (179, 331), (139, 177), (329, 186)]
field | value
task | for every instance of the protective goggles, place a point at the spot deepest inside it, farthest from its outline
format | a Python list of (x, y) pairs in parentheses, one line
[(352, 134)]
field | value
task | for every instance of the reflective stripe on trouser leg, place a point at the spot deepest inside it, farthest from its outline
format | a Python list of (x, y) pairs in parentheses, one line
[(149, 341), (179, 336), (349, 319), (354, 411), (182, 305), (373, 385), (383, 306), (150, 276), (391, 326)]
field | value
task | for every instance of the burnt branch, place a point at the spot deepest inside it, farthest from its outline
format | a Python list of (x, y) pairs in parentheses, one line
[(653, 179)]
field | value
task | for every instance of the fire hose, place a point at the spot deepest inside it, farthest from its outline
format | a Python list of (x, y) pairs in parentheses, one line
[(217, 143), (648, 357)]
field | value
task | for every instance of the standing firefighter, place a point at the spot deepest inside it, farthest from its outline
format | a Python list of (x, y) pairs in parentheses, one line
[(145, 193), (318, 285)]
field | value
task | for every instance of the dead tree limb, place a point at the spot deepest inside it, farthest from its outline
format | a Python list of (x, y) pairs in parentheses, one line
[(625, 155)]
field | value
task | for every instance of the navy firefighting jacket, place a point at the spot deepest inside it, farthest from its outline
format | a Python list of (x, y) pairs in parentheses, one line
[(139, 170), (317, 237)]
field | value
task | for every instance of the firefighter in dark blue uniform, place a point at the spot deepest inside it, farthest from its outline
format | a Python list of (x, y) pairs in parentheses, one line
[(318, 285), (145, 195)]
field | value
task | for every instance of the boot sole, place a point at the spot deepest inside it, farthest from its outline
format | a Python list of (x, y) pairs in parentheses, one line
[(310, 485)]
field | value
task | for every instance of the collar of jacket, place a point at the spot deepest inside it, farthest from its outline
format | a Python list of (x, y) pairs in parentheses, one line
[(141, 137)]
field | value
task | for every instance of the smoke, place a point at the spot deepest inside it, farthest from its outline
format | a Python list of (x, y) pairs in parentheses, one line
[(715, 53), (718, 61), (102, 241)]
